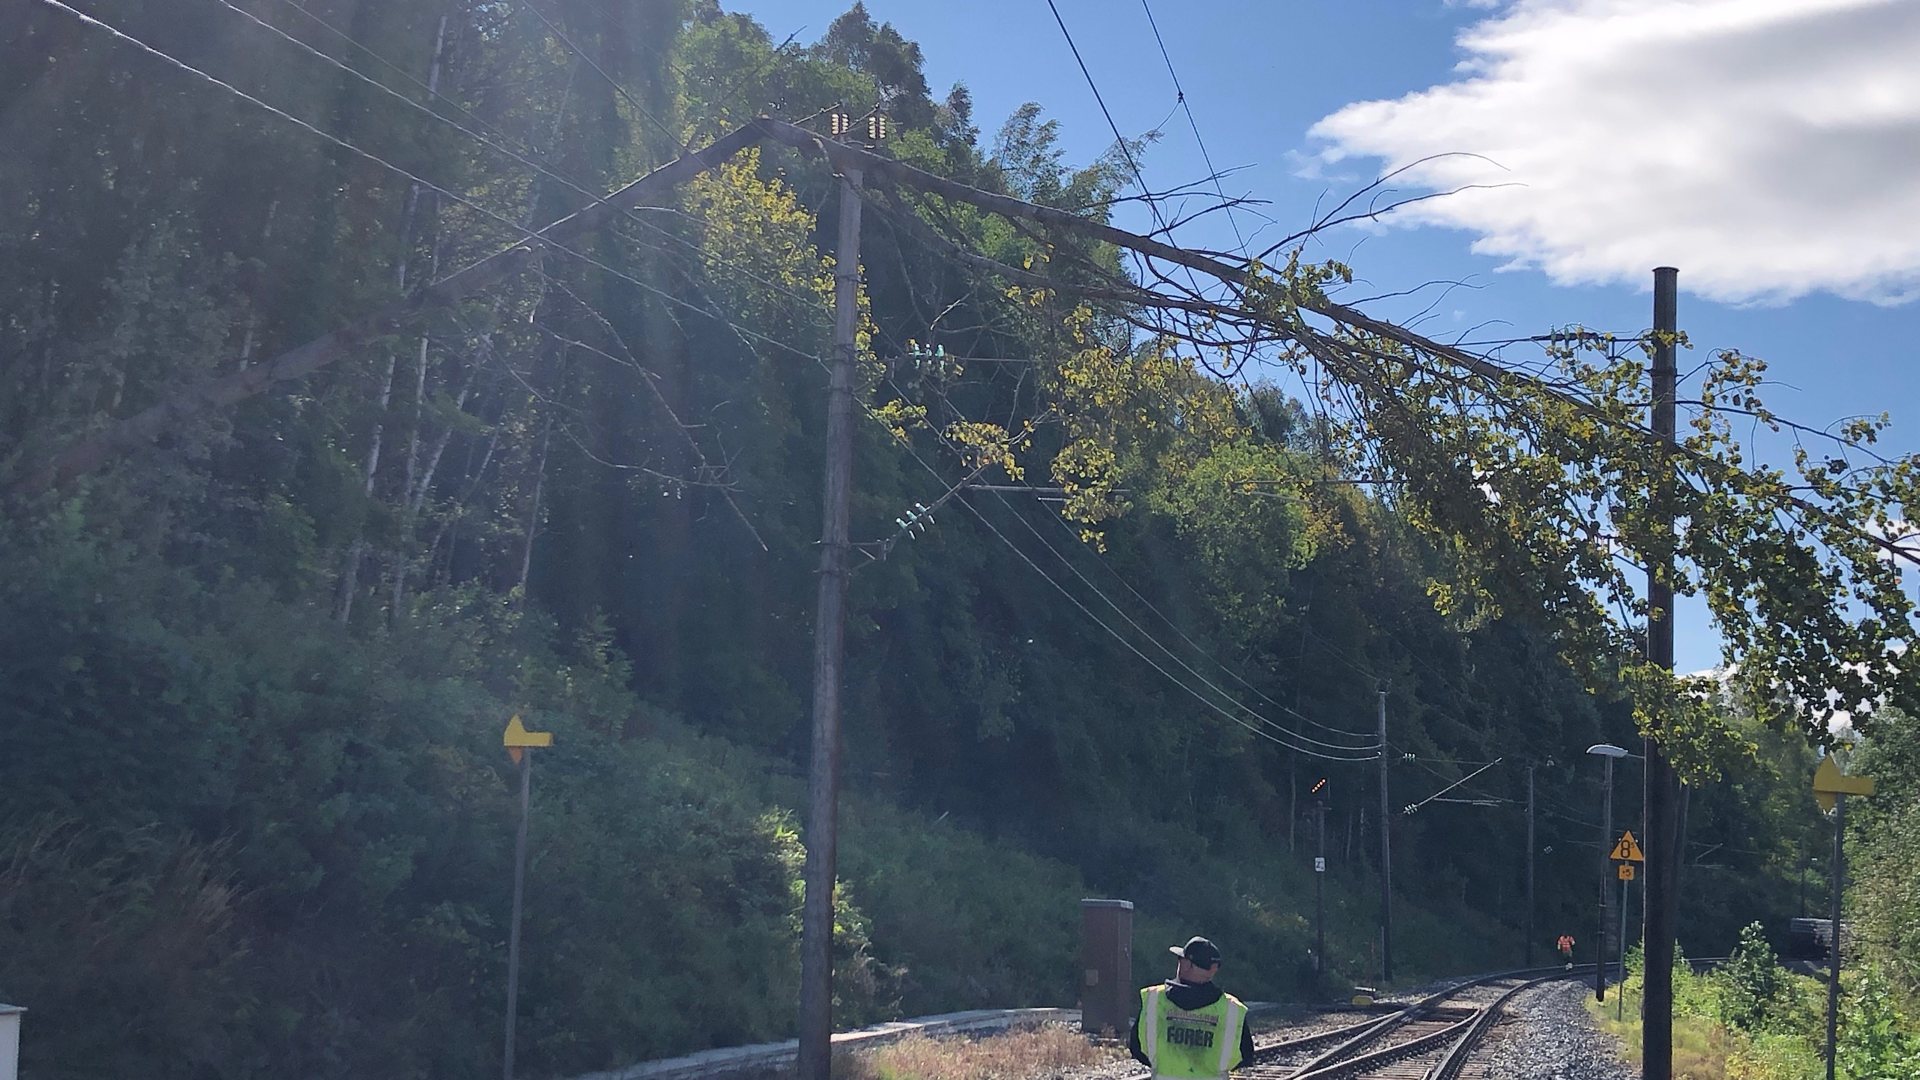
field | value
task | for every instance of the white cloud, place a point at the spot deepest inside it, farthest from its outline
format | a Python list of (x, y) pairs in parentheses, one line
[(1903, 535), (1768, 148)]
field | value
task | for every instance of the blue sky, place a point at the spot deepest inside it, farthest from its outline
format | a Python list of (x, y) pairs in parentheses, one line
[(1767, 148)]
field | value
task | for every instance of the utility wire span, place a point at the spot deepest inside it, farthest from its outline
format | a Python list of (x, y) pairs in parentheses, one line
[(1125, 150), (581, 54), (1180, 97), (1371, 744), (1122, 639), (1232, 674), (390, 65), (491, 144), (536, 237), (1415, 806), (89, 453)]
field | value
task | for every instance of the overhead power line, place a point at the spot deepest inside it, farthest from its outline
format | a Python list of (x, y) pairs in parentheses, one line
[(1231, 673), (1180, 98), (1126, 152), (496, 146), (1370, 744), (581, 54), (1130, 646), (537, 238)]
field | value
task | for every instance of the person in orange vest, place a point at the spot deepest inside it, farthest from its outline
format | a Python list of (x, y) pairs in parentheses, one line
[(1188, 1028), (1566, 950)]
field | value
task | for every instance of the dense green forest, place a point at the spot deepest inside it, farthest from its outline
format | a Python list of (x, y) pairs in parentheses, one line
[(254, 815)]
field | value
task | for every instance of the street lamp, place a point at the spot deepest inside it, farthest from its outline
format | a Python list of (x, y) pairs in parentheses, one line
[(1608, 752)]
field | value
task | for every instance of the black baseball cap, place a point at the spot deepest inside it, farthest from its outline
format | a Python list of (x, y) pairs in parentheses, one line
[(1198, 951)]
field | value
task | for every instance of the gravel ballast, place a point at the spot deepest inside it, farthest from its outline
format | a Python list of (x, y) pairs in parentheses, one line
[(1546, 1033)]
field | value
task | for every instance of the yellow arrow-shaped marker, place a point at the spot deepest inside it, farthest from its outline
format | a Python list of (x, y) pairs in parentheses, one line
[(1829, 781), (517, 738)]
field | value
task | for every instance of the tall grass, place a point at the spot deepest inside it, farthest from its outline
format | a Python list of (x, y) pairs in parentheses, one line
[(1028, 1053), (1753, 1020)]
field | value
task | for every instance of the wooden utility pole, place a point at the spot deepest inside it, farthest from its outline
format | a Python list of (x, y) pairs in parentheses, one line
[(829, 639), (1529, 917), (1386, 858), (1662, 794)]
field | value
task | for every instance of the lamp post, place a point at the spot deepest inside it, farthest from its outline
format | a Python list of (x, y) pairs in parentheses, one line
[(1608, 752)]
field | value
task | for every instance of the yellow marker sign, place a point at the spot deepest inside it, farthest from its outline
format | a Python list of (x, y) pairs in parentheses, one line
[(517, 738), (1829, 781), (1627, 850), (1626, 871)]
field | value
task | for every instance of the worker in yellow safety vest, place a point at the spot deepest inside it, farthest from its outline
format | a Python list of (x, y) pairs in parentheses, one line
[(1188, 1027)]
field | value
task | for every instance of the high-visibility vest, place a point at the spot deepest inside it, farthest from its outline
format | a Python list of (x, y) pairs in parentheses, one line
[(1201, 1044)]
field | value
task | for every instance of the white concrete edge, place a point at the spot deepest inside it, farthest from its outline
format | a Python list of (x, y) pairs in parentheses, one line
[(761, 1055)]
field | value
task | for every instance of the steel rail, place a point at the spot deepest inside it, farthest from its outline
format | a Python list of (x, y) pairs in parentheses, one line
[(1347, 1058)]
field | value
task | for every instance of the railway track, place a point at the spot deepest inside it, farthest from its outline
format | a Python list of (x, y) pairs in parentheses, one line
[(1428, 1040)]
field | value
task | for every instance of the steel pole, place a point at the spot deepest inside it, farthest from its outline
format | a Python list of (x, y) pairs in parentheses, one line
[(1386, 858), (519, 892), (1662, 839), (1833, 954), (1319, 889), (1600, 941), (1619, 989), (1530, 850)]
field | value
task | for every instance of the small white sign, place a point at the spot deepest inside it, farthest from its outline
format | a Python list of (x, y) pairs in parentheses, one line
[(1319, 865)]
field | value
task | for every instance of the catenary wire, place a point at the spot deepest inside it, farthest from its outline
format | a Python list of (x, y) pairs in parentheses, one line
[(581, 54), (1180, 96), (1131, 647), (629, 213), (1371, 744), (498, 147), (524, 232), (1117, 576)]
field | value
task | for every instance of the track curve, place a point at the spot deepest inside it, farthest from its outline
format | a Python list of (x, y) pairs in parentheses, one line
[(1431, 1039)]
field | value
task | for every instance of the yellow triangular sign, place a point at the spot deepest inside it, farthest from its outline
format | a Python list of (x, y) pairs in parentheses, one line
[(1627, 850)]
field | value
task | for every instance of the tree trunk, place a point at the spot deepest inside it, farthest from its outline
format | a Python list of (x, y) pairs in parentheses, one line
[(533, 517), (1293, 797), (356, 553)]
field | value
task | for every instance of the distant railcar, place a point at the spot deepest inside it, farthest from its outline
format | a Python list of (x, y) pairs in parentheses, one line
[(1811, 939)]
